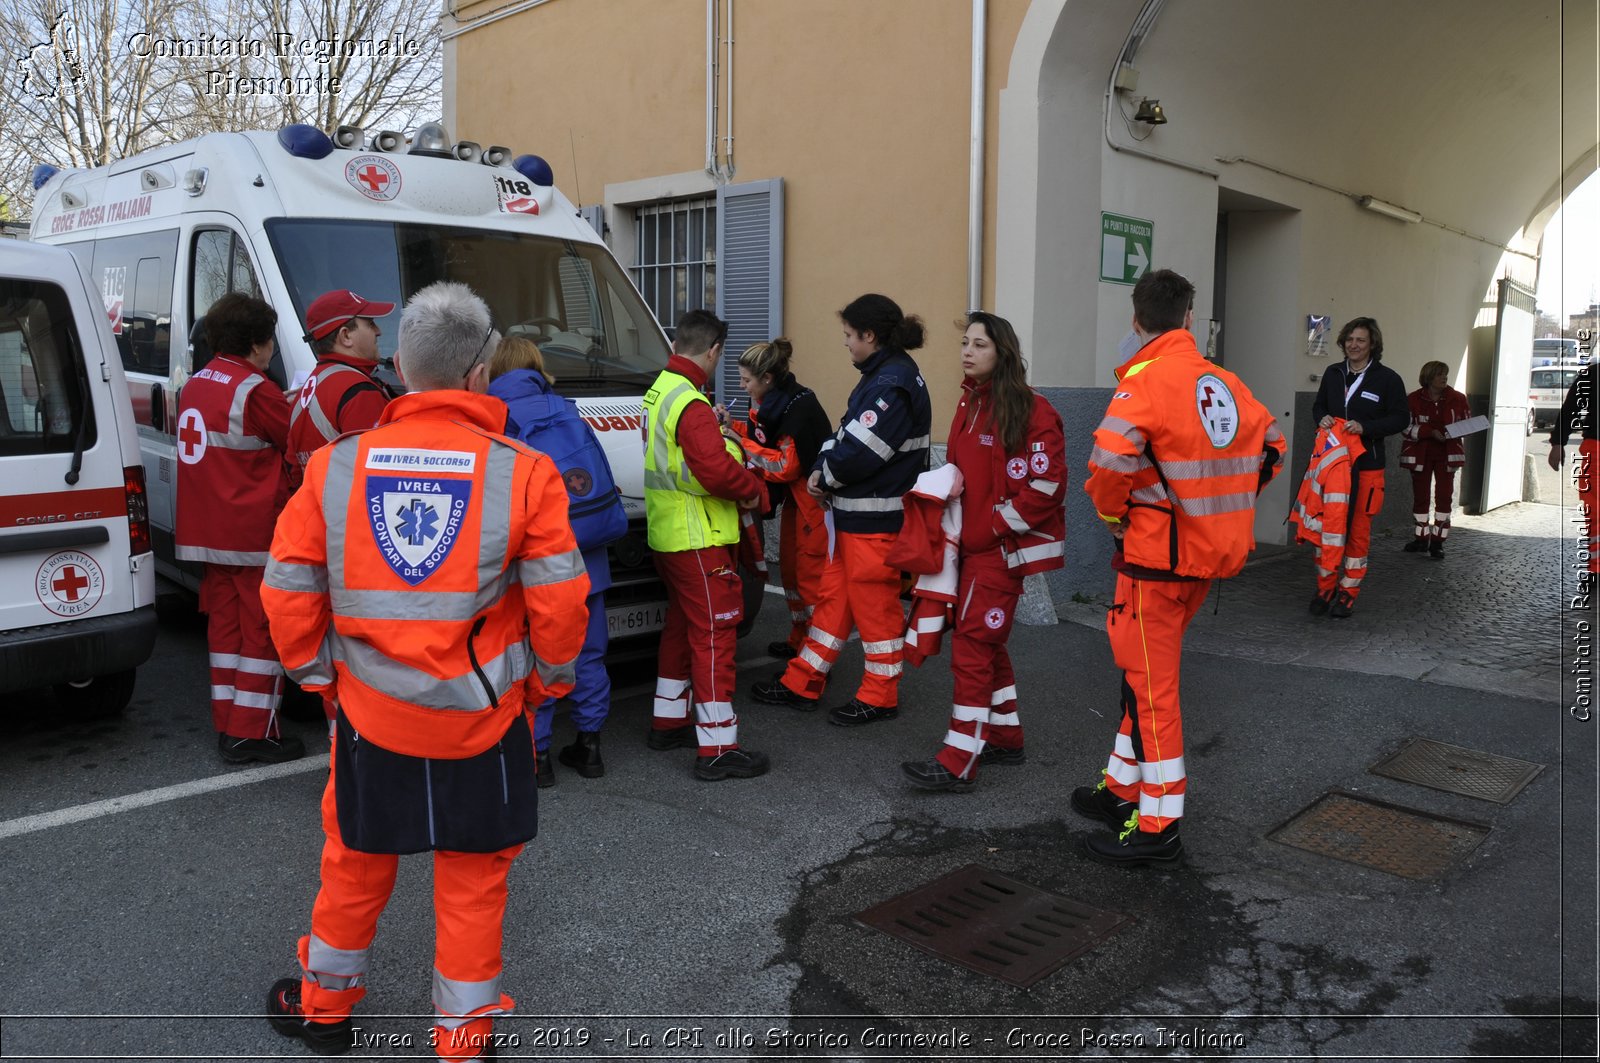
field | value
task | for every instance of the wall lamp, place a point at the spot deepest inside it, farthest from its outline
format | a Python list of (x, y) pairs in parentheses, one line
[(1150, 113), (1389, 209)]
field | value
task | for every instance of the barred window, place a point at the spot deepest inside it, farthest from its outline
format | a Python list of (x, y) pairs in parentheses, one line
[(676, 260)]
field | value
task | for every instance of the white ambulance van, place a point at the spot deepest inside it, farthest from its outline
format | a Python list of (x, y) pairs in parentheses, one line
[(77, 577), (289, 215)]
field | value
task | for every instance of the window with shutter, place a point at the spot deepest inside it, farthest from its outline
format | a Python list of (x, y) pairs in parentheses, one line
[(750, 284)]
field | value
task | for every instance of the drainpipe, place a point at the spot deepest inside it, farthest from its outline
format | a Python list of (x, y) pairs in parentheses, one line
[(711, 88), (727, 76), (975, 162)]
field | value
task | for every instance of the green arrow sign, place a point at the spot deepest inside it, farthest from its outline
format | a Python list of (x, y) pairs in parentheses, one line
[(1124, 247)]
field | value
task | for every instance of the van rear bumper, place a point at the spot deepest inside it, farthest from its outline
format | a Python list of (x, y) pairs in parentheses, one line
[(76, 650)]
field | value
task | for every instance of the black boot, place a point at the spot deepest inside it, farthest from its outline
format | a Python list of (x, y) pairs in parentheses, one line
[(543, 773), (1436, 549), (1417, 545), (583, 756), (1133, 847)]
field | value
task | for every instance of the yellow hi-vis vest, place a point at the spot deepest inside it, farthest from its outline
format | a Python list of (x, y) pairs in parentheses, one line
[(679, 514)]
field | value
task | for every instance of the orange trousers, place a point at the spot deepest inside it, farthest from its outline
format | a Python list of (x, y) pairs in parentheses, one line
[(802, 557), (469, 906), (859, 592), (1347, 568), (1145, 624)]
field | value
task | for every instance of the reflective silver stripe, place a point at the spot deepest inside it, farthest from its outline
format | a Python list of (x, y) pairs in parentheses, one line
[(1029, 554), (409, 605), (223, 557), (258, 666), (1009, 514), (1004, 719), (828, 477), (824, 639), (1355, 562), (658, 475), (553, 674), (317, 672), (241, 395), (1045, 487), (494, 536), (336, 489), (827, 446), (328, 430), (867, 505), (1330, 539), (1331, 457), (1113, 462), (969, 713), (915, 443), (808, 655), (323, 958), (1216, 505), (960, 741), (873, 443), (1335, 497), (454, 1000), (1203, 467), (250, 699), (1127, 429), (296, 578), (886, 646), (772, 465), (556, 568), (887, 670), (235, 441), (1151, 493), (464, 692), (715, 712)]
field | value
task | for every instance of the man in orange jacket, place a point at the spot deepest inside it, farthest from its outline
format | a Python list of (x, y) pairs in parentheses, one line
[(425, 580), (1177, 463)]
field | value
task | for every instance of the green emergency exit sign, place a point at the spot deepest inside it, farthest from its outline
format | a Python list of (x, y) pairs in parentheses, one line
[(1124, 247)]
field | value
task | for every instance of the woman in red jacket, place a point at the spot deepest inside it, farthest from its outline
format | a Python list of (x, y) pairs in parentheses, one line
[(1430, 454), (1008, 443), (785, 433)]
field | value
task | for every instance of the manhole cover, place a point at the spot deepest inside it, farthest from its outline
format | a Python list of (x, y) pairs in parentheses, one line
[(1401, 841), (1455, 770), (993, 924)]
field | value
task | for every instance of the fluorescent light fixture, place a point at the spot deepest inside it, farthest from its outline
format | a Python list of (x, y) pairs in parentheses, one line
[(1389, 209)]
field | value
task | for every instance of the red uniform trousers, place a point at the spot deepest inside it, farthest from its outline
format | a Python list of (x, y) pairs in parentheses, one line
[(1586, 473), (858, 591), (985, 696), (1443, 476), (246, 678), (802, 557), (1366, 499), (469, 910), (705, 602), (1146, 625)]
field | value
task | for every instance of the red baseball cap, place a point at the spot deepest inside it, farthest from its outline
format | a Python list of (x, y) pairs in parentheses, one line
[(330, 310)]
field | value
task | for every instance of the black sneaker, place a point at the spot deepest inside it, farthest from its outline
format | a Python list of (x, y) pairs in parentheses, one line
[(543, 774), (583, 756), (731, 764), (1099, 802), (995, 755), (1436, 549), (283, 1012), (932, 775), (1320, 603), (773, 692), (267, 750), (1343, 605), (859, 712), (1133, 847), (673, 738), (1415, 546), (781, 650)]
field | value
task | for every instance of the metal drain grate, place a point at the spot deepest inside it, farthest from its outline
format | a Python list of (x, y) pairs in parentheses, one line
[(993, 924), (1401, 841), (1455, 770)]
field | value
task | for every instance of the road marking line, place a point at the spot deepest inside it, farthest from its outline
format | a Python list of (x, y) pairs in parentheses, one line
[(62, 817)]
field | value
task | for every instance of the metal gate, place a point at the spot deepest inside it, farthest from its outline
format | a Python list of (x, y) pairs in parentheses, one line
[(1508, 396)]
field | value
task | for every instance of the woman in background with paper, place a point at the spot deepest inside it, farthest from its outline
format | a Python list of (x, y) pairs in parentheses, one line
[(1432, 452)]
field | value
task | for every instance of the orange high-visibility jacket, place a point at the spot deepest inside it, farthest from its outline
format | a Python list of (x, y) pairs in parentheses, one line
[(1179, 459), (425, 576), (1321, 512)]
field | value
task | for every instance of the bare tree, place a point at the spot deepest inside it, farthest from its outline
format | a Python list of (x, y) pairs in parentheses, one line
[(86, 82)]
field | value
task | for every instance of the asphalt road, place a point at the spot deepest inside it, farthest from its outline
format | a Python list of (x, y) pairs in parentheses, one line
[(652, 902)]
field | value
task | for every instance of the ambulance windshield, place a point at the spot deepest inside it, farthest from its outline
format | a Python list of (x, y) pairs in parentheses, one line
[(595, 333)]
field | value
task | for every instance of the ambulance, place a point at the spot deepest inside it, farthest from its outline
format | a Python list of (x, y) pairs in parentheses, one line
[(286, 216), (77, 576)]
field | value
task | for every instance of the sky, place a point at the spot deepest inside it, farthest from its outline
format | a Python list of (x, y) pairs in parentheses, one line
[(1569, 274)]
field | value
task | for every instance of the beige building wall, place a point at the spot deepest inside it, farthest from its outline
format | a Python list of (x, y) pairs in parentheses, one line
[(863, 109)]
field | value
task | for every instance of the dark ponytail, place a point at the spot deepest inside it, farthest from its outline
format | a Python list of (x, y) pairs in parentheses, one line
[(882, 316)]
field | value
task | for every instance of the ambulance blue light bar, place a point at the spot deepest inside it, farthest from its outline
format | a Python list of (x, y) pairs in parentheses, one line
[(304, 141), (42, 173), (535, 169)]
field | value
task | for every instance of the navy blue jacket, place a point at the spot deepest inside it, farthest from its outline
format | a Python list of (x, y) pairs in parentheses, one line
[(881, 446), (1379, 404)]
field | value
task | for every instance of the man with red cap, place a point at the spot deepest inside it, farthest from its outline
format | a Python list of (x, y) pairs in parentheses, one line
[(340, 395)]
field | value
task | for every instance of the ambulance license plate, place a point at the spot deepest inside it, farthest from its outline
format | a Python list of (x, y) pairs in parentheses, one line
[(627, 620)]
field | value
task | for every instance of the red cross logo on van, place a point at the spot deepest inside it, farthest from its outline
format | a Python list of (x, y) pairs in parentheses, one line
[(373, 176), (70, 583)]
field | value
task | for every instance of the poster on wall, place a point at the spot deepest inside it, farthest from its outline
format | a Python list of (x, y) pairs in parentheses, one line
[(1317, 328)]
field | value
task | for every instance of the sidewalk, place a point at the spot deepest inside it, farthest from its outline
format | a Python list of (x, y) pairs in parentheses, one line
[(1486, 617)]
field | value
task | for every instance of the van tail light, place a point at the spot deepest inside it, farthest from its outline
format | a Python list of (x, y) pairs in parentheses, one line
[(138, 509)]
